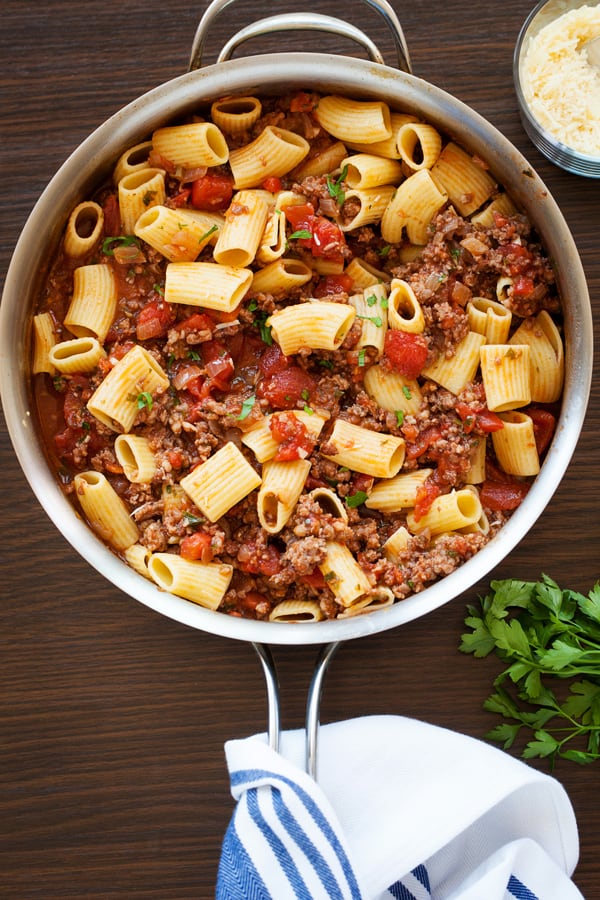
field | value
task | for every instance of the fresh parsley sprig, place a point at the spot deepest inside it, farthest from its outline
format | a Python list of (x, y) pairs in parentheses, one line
[(544, 633)]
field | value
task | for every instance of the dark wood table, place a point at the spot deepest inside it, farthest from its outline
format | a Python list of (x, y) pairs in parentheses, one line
[(113, 719)]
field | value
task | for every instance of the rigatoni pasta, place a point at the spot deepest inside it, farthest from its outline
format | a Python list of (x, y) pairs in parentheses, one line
[(303, 356)]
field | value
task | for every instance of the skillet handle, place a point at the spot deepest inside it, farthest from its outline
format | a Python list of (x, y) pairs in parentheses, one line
[(313, 701), (291, 21)]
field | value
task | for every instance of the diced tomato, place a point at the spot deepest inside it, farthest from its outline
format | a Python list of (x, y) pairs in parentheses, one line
[(66, 440), (259, 560), (406, 352), (328, 239), (302, 102), (324, 238), (197, 546), (301, 217), (544, 424), (181, 199), (273, 360), (196, 323), (112, 216), (423, 442), (480, 418), (212, 192), (154, 320), (333, 284), (292, 435), (249, 603), (219, 367), (315, 578), (272, 183), (285, 389), (517, 257), (502, 495), (426, 494), (75, 399), (175, 457), (361, 483), (522, 287)]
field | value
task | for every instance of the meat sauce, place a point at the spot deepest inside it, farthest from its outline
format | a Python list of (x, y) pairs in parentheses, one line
[(227, 373)]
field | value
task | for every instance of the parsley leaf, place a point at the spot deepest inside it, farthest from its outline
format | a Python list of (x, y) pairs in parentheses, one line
[(144, 400), (543, 634), (123, 240), (302, 234), (247, 406), (334, 187), (356, 499)]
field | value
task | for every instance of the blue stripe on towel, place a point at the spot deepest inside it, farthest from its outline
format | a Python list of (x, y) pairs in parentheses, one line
[(519, 890), (414, 886), (293, 831), (237, 875)]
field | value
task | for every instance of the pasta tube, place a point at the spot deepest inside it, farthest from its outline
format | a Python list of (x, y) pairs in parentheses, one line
[(202, 583), (467, 184), (515, 445), (192, 146), (362, 450), (282, 484), (44, 339), (343, 574), (177, 235), (273, 153), (139, 191), (84, 229), (449, 512), (235, 115), (131, 382), (394, 494), (206, 284), (222, 481), (79, 355), (546, 356), (393, 391), (242, 231), (456, 372), (354, 120), (365, 170), (505, 371), (405, 313), (94, 301), (412, 207), (296, 611), (320, 325), (104, 510), (135, 456)]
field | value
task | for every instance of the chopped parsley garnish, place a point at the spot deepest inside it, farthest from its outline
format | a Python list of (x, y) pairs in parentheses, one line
[(383, 251), (326, 363), (356, 499), (406, 392), (361, 357), (371, 300), (399, 417), (309, 411), (193, 519), (302, 234), (252, 305), (122, 240), (144, 400), (334, 187), (260, 322), (376, 320), (208, 233), (247, 406)]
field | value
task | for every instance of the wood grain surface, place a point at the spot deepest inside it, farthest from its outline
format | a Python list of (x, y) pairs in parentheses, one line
[(113, 719)]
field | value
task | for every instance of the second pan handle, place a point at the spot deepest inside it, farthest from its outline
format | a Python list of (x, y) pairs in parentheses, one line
[(313, 701), (296, 21)]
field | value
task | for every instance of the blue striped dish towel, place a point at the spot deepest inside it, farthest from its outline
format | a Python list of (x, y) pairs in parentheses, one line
[(402, 810)]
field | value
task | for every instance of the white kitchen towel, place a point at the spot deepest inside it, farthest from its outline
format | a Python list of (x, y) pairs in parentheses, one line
[(402, 809)]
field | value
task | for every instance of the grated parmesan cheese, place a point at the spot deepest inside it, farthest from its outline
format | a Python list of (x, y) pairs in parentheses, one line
[(560, 85)]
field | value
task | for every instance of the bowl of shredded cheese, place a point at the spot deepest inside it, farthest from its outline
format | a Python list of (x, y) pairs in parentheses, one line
[(558, 85)]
